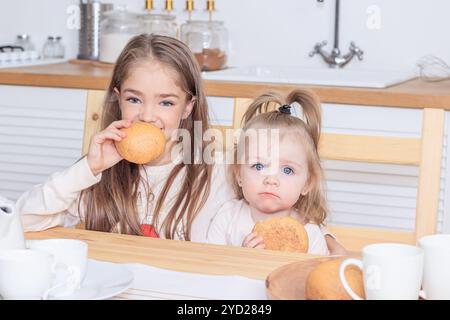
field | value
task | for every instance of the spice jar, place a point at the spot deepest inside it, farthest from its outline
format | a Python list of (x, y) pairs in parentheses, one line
[(53, 48), (24, 41), (162, 24), (208, 40), (116, 29)]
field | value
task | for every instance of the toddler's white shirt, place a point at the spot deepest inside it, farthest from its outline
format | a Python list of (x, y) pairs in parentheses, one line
[(234, 222)]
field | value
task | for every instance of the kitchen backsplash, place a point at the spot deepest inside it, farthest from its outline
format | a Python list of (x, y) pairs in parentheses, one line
[(393, 34)]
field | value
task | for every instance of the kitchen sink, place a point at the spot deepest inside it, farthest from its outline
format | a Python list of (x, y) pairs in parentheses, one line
[(325, 77)]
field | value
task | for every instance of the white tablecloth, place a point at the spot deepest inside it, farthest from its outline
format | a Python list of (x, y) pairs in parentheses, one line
[(155, 283)]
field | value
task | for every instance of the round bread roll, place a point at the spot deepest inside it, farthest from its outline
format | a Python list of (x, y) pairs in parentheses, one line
[(323, 282), (283, 234), (144, 142)]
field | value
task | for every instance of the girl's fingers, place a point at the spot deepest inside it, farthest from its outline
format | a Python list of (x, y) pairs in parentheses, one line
[(248, 238), (119, 124), (117, 131), (255, 242), (107, 135)]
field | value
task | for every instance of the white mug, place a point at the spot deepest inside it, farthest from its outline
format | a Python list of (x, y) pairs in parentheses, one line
[(71, 258), (391, 271), (436, 273), (26, 274)]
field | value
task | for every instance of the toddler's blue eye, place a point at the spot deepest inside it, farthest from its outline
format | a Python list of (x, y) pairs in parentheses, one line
[(258, 166), (288, 170), (166, 103)]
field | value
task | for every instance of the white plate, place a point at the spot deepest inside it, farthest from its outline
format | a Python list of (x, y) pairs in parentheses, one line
[(103, 280)]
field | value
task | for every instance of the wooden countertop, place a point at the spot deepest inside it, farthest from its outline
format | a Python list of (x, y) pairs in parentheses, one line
[(176, 255), (411, 94)]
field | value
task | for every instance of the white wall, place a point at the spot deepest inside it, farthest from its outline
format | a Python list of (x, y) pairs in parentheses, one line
[(276, 32)]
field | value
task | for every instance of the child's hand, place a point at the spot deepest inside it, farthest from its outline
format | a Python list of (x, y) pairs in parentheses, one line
[(253, 241), (334, 247), (102, 152)]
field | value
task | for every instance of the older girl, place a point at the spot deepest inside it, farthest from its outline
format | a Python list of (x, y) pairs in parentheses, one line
[(156, 79)]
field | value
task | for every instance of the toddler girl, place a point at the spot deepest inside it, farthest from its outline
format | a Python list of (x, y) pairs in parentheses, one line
[(283, 178)]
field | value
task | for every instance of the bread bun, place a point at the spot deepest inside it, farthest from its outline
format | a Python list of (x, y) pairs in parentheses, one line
[(144, 142), (323, 282), (283, 234)]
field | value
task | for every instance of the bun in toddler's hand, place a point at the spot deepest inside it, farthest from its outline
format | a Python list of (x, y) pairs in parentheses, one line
[(144, 142), (283, 234)]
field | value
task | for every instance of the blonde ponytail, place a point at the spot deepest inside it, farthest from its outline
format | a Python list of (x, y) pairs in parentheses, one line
[(310, 105), (262, 104)]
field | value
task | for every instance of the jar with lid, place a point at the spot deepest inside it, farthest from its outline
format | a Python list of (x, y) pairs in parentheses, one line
[(208, 40), (24, 41), (53, 48), (116, 29), (162, 24)]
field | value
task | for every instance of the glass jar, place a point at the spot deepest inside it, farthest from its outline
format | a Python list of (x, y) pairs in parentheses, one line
[(116, 29), (208, 40), (53, 48), (24, 41), (162, 24)]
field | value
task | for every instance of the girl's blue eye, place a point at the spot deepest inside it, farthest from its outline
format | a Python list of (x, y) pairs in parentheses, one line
[(258, 166), (288, 170), (134, 100), (166, 103)]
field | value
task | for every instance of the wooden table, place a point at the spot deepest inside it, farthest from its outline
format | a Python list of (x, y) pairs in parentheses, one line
[(176, 255)]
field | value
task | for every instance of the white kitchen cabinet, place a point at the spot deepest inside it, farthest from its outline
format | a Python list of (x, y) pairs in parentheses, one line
[(41, 132)]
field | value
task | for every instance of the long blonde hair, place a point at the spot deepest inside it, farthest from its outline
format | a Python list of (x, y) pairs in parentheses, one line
[(111, 204), (313, 205)]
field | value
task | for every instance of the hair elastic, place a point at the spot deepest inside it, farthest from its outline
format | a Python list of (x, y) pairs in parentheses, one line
[(286, 109)]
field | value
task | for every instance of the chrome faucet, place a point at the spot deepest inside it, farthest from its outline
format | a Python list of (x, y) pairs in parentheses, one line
[(335, 59)]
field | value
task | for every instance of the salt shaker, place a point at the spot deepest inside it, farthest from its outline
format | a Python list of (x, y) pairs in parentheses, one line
[(53, 48), (59, 48), (24, 41)]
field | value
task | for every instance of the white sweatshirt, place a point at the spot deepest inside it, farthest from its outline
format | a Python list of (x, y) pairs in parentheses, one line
[(55, 202)]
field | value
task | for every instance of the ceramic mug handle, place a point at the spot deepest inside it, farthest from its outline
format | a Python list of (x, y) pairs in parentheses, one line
[(72, 281), (344, 265)]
